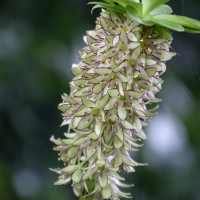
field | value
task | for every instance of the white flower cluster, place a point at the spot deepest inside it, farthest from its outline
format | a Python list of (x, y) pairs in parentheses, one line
[(117, 76)]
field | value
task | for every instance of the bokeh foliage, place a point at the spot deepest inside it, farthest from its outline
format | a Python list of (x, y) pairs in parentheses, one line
[(39, 40)]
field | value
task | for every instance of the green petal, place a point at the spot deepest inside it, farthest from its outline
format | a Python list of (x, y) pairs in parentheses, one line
[(70, 135), (138, 124), (102, 71), (56, 170), (99, 152), (98, 128), (103, 101), (117, 160), (87, 102), (121, 111), (117, 143), (76, 177), (113, 64), (64, 157), (151, 71), (132, 37), (135, 95), (97, 88), (84, 123), (133, 45), (106, 192), (141, 135), (76, 70), (115, 40), (110, 104), (72, 151), (123, 37), (113, 93), (103, 178), (76, 122), (120, 67), (127, 125), (70, 168), (121, 91), (62, 181), (136, 52), (123, 78), (57, 142), (150, 62), (81, 83)]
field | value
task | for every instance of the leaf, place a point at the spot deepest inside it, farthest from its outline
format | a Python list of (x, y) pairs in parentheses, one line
[(135, 95), (133, 15), (184, 21), (87, 102), (191, 30), (106, 192), (168, 24), (191, 21), (76, 177), (149, 5), (110, 7), (162, 9)]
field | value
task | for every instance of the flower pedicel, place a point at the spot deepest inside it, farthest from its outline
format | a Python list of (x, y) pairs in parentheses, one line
[(117, 77)]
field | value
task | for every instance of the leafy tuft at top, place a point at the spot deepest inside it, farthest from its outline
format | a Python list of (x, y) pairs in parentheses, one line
[(151, 12)]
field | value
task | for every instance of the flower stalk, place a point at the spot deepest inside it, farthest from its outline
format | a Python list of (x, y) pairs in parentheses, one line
[(116, 79)]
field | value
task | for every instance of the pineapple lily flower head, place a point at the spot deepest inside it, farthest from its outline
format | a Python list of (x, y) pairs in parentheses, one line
[(117, 77)]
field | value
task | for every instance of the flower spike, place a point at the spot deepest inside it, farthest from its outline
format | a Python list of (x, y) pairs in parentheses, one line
[(116, 79)]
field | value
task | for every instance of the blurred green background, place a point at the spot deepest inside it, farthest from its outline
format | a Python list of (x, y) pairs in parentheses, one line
[(39, 40)]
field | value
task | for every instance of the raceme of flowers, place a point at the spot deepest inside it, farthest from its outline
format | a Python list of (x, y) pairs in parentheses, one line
[(117, 77)]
